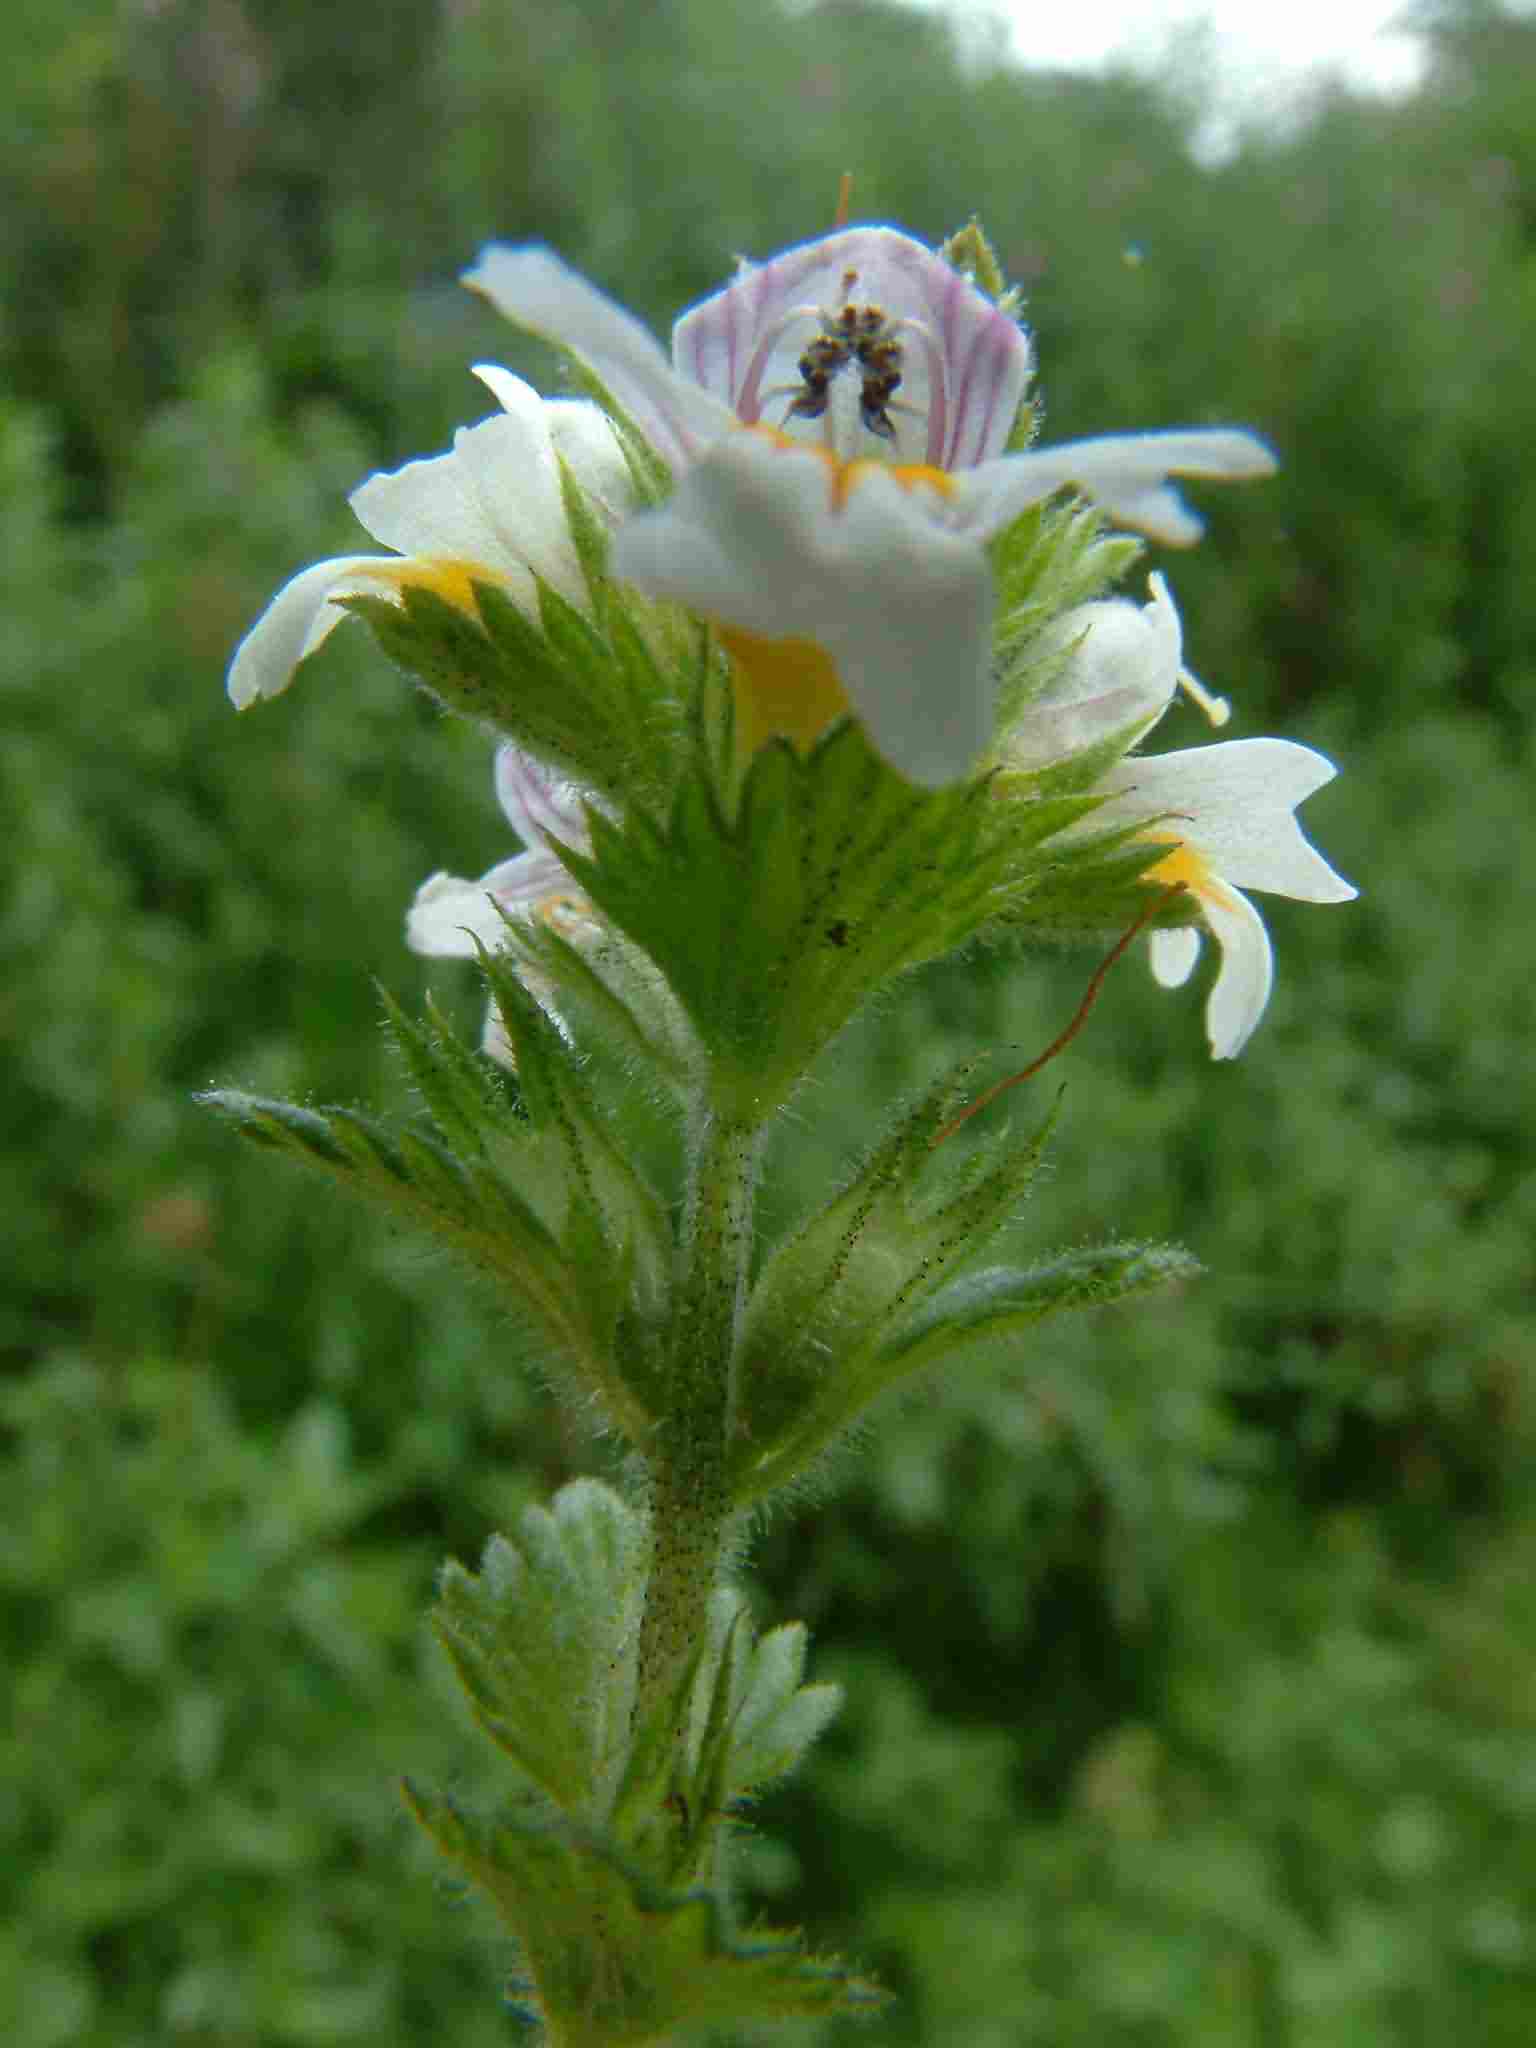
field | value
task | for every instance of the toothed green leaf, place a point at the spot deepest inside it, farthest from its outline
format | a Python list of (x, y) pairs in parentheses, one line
[(463, 1094), (984, 1307), (614, 1959), (774, 1717), (542, 1639), (607, 1870), (969, 1321), (911, 1219), (833, 875), (471, 1207), (613, 999), (604, 1192), (558, 685), (739, 1720)]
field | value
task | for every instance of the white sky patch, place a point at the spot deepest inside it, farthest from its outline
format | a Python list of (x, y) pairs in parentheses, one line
[(1362, 39), (1257, 56)]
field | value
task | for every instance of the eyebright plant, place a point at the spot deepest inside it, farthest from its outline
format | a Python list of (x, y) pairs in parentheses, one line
[(803, 672)]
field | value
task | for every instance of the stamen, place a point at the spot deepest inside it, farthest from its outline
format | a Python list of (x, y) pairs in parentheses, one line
[(749, 400), (856, 339), (938, 388), (1217, 709)]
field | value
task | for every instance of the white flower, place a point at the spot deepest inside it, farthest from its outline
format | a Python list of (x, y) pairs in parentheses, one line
[(842, 540), (1125, 664), (1229, 813), (489, 511), (449, 913)]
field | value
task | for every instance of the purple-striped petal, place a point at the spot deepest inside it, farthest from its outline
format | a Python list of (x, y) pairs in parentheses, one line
[(964, 363), (539, 803)]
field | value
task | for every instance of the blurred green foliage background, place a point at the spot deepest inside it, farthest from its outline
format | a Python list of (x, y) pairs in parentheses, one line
[(1192, 1660)]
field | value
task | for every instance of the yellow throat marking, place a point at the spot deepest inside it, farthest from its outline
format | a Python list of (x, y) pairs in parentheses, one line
[(789, 687)]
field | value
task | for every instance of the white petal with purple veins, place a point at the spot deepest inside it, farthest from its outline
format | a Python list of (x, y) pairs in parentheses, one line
[(538, 802), (964, 363)]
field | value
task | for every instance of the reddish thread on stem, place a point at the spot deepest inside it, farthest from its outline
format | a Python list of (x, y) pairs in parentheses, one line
[(1080, 1017), (844, 199)]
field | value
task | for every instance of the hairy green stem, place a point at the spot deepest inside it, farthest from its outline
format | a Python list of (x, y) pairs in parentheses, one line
[(690, 1498)]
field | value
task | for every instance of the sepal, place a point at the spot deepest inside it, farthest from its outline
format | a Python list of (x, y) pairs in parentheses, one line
[(649, 472), (463, 1094), (590, 533), (610, 997), (970, 252)]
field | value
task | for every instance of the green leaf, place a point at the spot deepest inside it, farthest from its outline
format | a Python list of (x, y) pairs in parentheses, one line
[(465, 1095), (571, 1297), (774, 1715), (542, 1641), (613, 1958), (983, 1307), (960, 1324), (606, 1197), (752, 1718), (772, 924), (914, 1215), (740, 1719), (559, 685), (612, 998), (608, 1868)]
